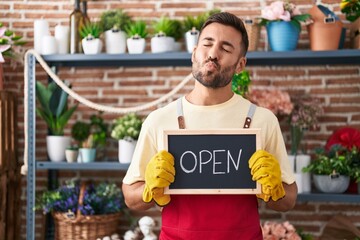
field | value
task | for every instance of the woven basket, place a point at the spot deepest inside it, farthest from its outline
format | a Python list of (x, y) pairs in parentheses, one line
[(80, 227), (253, 31)]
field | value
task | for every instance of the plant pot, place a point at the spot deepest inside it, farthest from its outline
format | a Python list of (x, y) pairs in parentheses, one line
[(191, 39), (87, 155), (136, 45), (253, 31), (115, 42), (355, 34), (328, 184), (160, 44), (301, 161), (282, 36), (56, 146), (91, 45), (71, 155), (126, 150)]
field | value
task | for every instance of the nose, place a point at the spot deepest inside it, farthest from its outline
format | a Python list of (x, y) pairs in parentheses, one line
[(212, 54)]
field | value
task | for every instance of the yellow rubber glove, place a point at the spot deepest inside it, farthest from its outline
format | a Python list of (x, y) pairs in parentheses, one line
[(265, 169), (159, 173)]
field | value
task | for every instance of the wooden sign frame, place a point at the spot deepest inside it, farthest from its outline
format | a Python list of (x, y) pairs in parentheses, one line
[(214, 132)]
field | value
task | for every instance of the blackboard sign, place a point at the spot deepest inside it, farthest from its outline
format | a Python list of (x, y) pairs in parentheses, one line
[(212, 161)]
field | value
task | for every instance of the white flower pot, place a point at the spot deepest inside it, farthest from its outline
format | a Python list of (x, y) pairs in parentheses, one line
[(71, 155), (56, 146), (91, 46), (115, 42), (162, 44), (328, 184), (136, 46), (126, 150), (302, 160), (191, 38)]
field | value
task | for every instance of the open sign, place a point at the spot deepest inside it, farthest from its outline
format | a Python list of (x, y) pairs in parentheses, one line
[(212, 161)]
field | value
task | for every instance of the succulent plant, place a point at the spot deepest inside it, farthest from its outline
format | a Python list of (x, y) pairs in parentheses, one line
[(136, 29), (90, 30), (114, 19)]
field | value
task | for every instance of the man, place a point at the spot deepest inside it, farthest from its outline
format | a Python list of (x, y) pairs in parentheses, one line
[(220, 53)]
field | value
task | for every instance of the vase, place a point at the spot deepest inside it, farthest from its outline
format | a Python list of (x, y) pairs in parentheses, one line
[(282, 36), (56, 146), (329, 184), (297, 163), (126, 150), (87, 155), (71, 155)]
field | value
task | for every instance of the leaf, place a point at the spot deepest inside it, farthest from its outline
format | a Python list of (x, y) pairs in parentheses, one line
[(43, 96)]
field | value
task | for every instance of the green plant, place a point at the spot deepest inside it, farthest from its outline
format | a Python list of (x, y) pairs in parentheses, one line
[(96, 128), (168, 27), (136, 29), (196, 22), (90, 30), (53, 107), (73, 147), (114, 20), (127, 127), (336, 161), (241, 82), (8, 39), (102, 198), (351, 8)]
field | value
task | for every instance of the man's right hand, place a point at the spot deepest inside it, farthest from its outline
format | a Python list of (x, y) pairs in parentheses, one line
[(159, 173)]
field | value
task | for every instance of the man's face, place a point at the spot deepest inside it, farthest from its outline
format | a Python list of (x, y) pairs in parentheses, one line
[(217, 56)]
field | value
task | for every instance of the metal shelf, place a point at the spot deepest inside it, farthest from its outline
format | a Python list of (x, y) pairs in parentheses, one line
[(45, 165), (329, 197), (261, 58)]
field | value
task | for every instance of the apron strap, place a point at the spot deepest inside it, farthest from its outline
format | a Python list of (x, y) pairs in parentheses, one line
[(181, 120), (249, 116)]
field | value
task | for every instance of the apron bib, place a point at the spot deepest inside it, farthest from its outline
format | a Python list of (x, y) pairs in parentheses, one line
[(211, 217)]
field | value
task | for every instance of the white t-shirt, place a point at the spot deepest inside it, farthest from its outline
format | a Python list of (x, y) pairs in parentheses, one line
[(230, 114)]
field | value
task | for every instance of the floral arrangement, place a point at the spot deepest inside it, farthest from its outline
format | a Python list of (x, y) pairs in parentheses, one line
[(103, 198), (277, 101), (304, 116), (283, 11), (276, 230), (8, 39), (351, 8), (127, 127)]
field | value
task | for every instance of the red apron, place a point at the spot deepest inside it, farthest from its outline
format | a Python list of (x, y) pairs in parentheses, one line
[(211, 217)]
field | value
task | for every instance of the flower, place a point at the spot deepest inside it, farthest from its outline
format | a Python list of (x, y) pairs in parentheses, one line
[(127, 127), (275, 230), (273, 99), (103, 198), (304, 116), (283, 11), (347, 137), (7, 40), (351, 8)]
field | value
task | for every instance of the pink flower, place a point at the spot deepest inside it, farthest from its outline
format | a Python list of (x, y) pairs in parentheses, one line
[(276, 231), (276, 11)]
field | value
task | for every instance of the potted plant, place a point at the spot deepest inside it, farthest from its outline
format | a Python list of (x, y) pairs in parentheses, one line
[(113, 23), (90, 33), (54, 111), (137, 33), (240, 83), (91, 138), (81, 209), (331, 169), (71, 153), (282, 21), (8, 43), (126, 130), (351, 9), (165, 29)]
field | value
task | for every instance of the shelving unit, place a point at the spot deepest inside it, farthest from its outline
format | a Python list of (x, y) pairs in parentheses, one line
[(293, 58)]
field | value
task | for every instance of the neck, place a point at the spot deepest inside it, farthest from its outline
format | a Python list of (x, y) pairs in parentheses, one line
[(205, 96)]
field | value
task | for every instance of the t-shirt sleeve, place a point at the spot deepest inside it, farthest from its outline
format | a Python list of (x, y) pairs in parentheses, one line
[(145, 149)]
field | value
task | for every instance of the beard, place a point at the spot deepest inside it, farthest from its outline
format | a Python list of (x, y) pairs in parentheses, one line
[(214, 80)]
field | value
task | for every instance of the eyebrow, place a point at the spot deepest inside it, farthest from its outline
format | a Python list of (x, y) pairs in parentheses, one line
[(223, 42)]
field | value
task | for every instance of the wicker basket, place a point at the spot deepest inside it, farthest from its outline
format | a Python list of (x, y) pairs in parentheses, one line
[(80, 227), (253, 31)]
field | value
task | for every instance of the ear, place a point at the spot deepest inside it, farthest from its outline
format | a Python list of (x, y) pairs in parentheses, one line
[(193, 54), (241, 65)]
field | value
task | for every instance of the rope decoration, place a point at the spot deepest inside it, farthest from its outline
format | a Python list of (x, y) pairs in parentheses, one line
[(96, 106)]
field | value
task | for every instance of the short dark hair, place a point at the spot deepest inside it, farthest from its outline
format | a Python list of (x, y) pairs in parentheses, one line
[(231, 20)]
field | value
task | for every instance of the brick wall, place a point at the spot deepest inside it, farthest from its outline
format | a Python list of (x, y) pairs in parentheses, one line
[(338, 87)]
